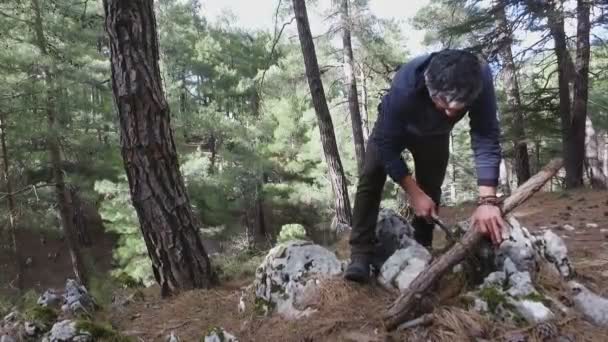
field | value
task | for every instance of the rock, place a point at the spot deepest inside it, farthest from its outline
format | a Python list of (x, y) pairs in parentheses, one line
[(404, 266), (554, 250), (11, 317), (66, 331), (6, 338), (50, 298), (30, 329), (520, 284), (592, 306), (533, 312), (392, 233), (519, 248), (77, 298), (289, 276), (29, 261), (592, 225), (219, 335), (172, 338), (568, 228)]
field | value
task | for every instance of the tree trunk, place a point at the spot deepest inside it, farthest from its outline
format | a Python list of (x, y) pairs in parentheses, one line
[(365, 107), (522, 159), (351, 87), (12, 219), (605, 168), (597, 176), (167, 223), (581, 94), (409, 302), (79, 218), (326, 128), (565, 75), (54, 148)]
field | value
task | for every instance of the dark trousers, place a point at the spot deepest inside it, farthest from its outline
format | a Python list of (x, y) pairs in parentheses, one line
[(431, 156)]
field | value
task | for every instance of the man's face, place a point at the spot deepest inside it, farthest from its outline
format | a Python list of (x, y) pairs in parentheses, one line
[(451, 109)]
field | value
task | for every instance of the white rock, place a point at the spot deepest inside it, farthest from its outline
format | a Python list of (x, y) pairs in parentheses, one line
[(66, 331), (480, 305), (533, 312), (555, 251), (404, 266), (50, 298), (603, 230), (77, 298), (172, 338), (593, 307), (568, 228), (520, 285), (289, 275), (11, 317), (220, 335), (592, 225), (6, 338), (519, 248), (30, 329)]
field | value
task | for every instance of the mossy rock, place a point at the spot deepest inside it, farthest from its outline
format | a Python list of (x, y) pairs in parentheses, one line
[(102, 332)]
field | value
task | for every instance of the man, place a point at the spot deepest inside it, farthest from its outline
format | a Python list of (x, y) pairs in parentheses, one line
[(427, 97)]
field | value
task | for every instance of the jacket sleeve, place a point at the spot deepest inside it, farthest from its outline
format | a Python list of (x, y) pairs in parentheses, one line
[(389, 135), (485, 133)]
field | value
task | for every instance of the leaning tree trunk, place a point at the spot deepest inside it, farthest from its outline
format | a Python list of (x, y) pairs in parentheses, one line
[(581, 94), (54, 148), (522, 159), (10, 197), (158, 194), (326, 127), (597, 176), (364, 107), (351, 87)]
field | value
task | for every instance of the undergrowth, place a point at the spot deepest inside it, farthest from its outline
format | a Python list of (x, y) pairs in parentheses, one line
[(241, 265)]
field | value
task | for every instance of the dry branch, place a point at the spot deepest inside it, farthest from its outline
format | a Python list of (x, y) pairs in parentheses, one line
[(405, 307)]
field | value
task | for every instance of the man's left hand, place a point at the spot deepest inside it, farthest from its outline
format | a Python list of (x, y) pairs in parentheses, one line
[(487, 219)]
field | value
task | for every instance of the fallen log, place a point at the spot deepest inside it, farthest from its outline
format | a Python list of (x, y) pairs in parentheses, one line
[(406, 306)]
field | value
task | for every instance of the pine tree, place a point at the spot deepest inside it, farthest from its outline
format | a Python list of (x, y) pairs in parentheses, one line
[(179, 260)]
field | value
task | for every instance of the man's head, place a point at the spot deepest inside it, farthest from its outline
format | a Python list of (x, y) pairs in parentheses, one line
[(454, 80)]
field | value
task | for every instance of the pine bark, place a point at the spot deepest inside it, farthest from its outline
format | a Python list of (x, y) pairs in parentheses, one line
[(54, 149), (511, 82), (566, 76), (326, 128), (167, 223), (581, 95), (12, 213), (351, 87)]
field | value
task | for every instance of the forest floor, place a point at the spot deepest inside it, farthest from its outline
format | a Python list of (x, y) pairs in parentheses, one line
[(350, 312)]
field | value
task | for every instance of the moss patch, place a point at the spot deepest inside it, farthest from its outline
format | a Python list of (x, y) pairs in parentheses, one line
[(102, 332), (43, 316), (537, 297), (494, 297)]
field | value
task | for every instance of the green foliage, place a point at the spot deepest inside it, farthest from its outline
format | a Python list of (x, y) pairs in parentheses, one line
[(242, 265), (120, 217), (43, 316), (102, 332), (291, 232)]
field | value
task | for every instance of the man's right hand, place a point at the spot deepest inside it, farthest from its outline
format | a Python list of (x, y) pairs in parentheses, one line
[(423, 205)]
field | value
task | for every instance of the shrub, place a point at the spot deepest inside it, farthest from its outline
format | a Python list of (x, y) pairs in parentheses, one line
[(291, 232)]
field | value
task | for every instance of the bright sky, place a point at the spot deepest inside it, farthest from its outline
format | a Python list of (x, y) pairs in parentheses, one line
[(260, 14)]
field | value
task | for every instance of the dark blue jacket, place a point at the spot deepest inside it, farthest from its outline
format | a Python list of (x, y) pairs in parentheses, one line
[(407, 112)]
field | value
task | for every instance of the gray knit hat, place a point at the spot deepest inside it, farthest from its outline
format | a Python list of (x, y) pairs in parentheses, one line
[(455, 76)]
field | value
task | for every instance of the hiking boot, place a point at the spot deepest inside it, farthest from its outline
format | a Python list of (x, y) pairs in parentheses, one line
[(358, 269)]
